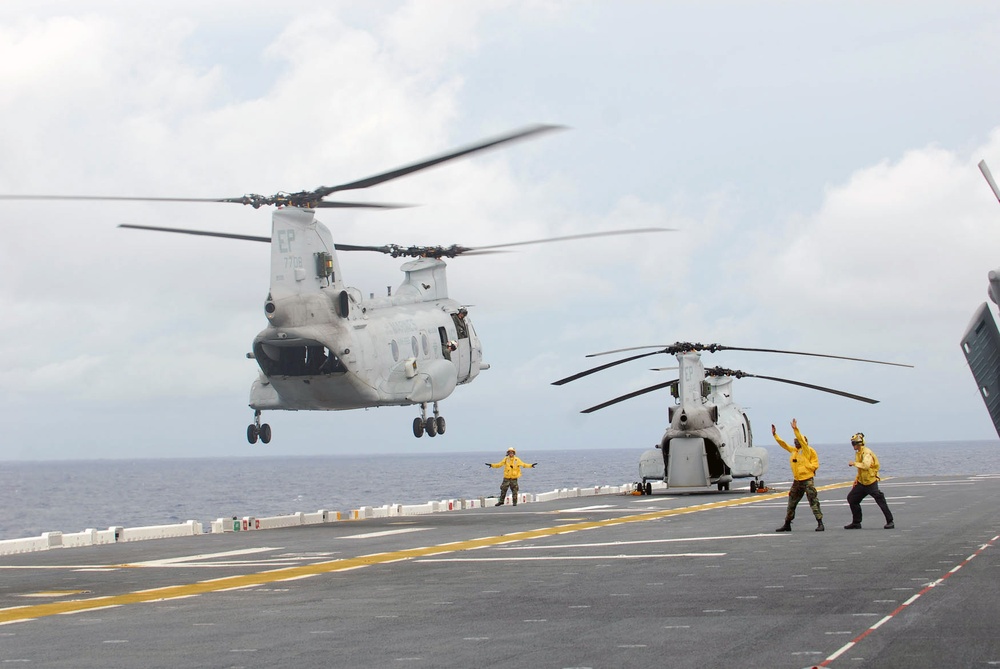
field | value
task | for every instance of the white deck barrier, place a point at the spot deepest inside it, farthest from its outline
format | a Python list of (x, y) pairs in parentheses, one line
[(114, 534)]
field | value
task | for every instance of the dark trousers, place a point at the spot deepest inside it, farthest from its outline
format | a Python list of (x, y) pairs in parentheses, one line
[(508, 483), (858, 493)]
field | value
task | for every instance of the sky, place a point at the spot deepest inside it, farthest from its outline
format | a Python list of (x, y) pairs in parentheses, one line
[(817, 161)]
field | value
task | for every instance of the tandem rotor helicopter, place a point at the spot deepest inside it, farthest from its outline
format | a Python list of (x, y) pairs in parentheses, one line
[(325, 347), (709, 440)]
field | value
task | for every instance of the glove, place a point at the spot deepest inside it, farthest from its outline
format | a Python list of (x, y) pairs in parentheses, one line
[(488, 464), (534, 464)]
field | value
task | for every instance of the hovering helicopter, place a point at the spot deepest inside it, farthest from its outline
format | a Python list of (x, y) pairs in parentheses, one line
[(981, 341), (709, 440), (325, 346)]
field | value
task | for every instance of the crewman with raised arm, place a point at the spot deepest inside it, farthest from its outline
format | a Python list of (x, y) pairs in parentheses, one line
[(804, 462), (511, 473)]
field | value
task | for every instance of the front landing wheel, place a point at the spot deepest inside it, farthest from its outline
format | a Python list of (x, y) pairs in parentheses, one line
[(252, 433), (418, 428)]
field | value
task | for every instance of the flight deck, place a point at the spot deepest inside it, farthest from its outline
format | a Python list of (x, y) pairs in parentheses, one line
[(614, 580)]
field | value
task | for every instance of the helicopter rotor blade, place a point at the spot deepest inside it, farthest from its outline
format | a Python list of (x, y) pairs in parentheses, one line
[(201, 233), (594, 370), (735, 373), (430, 162), (816, 355), (629, 396), (680, 347), (989, 178), (476, 250)]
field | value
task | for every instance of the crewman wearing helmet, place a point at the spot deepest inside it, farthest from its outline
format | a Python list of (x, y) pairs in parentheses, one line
[(804, 462), (511, 473), (865, 483)]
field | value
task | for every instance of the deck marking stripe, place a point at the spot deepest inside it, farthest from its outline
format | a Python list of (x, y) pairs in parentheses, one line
[(571, 557), (899, 609), (332, 566)]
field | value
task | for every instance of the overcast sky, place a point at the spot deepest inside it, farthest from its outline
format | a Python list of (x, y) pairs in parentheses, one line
[(818, 161)]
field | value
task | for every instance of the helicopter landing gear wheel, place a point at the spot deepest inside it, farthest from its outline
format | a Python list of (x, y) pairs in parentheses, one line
[(753, 486), (255, 430), (441, 425), (430, 427), (418, 427), (649, 488)]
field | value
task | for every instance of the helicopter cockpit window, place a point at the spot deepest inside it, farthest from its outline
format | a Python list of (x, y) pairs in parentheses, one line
[(297, 360), (395, 350)]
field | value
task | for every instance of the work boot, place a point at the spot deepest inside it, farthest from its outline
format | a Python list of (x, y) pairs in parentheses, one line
[(889, 526), (500, 503), (515, 502), (819, 526), (787, 527), (853, 526)]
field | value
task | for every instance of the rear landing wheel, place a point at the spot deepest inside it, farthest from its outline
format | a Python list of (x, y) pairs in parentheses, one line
[(430, 427), (753, 486), (440, 424), (418, 428), (252, 433), (649, 488), (265, 433)]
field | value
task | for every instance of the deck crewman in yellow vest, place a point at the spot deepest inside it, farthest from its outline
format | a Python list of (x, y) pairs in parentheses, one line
[(511, 473), (804, 463), (866, 483)]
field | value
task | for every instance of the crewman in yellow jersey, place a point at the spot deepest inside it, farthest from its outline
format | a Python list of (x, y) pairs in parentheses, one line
[(804, 462), (865, 483), (511, 473)]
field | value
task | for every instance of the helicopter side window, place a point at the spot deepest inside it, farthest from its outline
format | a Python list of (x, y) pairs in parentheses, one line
[(445, 348), (413, 345), (395, 350), (460, 326), (425, 344)]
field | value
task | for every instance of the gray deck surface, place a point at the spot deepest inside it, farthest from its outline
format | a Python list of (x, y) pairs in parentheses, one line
[(607, 581)]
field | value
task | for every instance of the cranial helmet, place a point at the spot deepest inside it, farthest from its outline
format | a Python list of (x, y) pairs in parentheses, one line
[(511, 450), (858, 438)]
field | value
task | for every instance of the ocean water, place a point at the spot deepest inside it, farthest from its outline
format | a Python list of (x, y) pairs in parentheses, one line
[(73, 495)]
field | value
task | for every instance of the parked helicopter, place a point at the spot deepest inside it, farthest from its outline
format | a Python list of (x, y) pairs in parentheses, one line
[(981, 341), (709, 440), (325, 347)]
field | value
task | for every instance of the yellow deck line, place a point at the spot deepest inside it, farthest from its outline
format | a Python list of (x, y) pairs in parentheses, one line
[(20, 613)]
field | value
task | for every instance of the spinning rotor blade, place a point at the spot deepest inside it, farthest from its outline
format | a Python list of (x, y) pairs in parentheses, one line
[(201, 233), (256, 201), (629, 396), (737, 374), (477, 250), (314, 198), (430, 162)]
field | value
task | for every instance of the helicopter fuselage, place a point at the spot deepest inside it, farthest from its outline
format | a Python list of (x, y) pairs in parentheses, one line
[(709, 440), (327, 348)]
